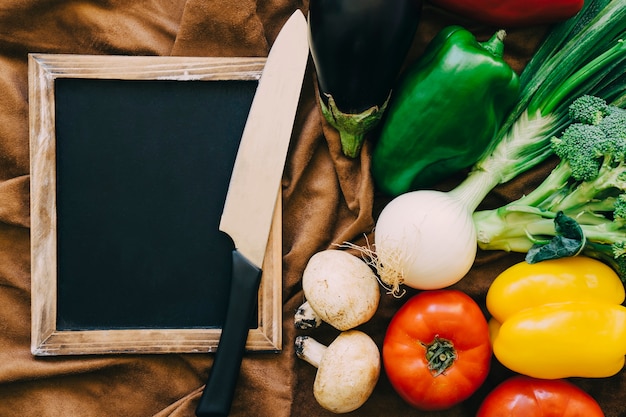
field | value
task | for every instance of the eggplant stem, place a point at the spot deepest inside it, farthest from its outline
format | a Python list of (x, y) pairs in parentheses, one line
[(352, 127)]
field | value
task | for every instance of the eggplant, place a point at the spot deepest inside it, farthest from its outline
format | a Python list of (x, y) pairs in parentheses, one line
[(358, 48)]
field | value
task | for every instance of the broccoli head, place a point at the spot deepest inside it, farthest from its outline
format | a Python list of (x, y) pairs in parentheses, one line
[(588, 109), (588, 187), (582, 146), (596, 137), (614, 123), (619, 209)]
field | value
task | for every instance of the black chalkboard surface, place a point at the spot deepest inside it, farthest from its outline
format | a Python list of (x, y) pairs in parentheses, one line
[(142, 175), (131, 159)]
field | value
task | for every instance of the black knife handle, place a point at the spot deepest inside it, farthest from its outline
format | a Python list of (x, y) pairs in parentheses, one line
[(218, 393)]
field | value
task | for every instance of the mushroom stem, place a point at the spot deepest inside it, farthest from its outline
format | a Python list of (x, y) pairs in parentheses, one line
[(306, 318), (310, 350)]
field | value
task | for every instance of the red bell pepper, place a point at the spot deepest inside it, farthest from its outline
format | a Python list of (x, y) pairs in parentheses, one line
[(513, 13)]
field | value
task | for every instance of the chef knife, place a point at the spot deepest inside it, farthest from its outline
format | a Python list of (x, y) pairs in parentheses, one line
[(251, 200)]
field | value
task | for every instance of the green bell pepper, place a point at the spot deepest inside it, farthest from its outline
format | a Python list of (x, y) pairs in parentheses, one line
[(445, 111)]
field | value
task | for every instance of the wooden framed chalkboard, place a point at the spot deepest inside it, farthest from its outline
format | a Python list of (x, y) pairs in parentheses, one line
[(130, 164)]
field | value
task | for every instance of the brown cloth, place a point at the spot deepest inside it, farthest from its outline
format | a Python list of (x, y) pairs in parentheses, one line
[(327, 199)]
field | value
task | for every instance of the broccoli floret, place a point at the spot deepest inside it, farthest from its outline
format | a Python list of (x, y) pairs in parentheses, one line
[(596, 136), (619, 209), (619, 249), (594, 153), (614, 124), (582, 146), (588, 109)]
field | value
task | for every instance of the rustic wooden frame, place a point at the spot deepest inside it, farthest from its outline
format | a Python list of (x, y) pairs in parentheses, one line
[(47, 340)]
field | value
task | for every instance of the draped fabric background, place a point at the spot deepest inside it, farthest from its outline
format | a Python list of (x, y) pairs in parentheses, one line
[(327, 199)]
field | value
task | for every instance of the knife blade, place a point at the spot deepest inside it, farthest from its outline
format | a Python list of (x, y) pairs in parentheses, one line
[(251, 200)]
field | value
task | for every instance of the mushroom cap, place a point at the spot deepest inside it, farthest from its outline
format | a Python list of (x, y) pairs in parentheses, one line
[(341, 288), (348, 372)]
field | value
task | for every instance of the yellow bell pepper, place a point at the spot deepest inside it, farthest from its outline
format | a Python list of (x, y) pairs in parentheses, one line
[(527, 285), (561, 340), (559, 318)]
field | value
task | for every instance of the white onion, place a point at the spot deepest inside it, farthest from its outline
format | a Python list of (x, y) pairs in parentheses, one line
[(425, 240)]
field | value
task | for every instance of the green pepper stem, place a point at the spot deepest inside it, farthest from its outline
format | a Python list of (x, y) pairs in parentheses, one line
[(440, 355), (352, 127), (495, 44)]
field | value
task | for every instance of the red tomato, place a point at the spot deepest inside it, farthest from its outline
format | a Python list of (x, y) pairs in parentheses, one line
[(522, 396), (436, 351)]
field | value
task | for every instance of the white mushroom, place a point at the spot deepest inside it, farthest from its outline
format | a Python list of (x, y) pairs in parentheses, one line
[(340, 289), (348, 369)]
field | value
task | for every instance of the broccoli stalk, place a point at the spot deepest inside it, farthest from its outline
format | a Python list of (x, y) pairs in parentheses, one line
[(580, 207)]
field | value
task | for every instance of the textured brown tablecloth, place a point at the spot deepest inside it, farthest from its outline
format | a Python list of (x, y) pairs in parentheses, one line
[(327, 199)]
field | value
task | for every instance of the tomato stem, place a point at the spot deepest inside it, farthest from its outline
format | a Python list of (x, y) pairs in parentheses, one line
[(440, 354)]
